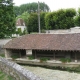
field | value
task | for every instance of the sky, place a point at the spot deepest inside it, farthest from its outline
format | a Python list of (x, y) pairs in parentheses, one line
[(53, 4)]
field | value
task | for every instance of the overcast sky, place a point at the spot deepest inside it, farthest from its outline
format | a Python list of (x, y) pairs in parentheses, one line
[(53, 4)]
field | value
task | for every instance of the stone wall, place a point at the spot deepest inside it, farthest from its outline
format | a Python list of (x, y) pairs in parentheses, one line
[(2, 43), (16, 71), (64, 31)]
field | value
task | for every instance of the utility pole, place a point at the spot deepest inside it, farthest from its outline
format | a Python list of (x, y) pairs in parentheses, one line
[(39, 18)]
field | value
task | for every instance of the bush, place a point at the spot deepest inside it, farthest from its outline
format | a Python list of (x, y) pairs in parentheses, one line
[(64, 60), (68, 59), (31, 57), (2, 55), (44, 59), (15, 56)]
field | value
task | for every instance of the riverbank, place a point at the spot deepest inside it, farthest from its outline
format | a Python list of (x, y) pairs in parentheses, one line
[(49, 74)]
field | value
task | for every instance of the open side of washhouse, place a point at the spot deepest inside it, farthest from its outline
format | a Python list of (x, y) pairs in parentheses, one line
[(53, 46), (57, 54)]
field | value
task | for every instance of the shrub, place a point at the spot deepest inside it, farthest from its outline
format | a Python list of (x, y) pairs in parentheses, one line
[(68, 59), (15, 56), (2, 55), (44, 59), (31, 57), (65, 60)]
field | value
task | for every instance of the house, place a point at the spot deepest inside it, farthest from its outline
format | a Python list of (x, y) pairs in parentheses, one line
[(54, 46), (20, 26)]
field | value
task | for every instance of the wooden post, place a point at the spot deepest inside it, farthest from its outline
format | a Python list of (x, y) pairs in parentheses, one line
[(54, 55), (20, 53), (75, 57), (35, 54)]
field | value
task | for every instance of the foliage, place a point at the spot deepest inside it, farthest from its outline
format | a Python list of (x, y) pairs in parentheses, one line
[(64, 60), (77, 69), (32, 24), (61, 19), (68, 59), (24, 16), (70, 69), (16, 10), (42, 21), (49, 20), (19, 31), (77, 21), (7, 18), (3, 76), (77, 18), (2, 55), (24, 32), (15, 56), (44, 59), (31, 57), (31, 8)]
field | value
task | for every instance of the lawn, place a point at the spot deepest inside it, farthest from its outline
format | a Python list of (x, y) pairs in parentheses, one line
[(3, 76)]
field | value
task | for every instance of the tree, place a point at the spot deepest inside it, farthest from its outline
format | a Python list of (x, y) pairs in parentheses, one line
[(31, 7), (61, 19), (77, 18), (7, 18), (32, 24), (24, 16), (42, 21), (49, 23), (16, 10)]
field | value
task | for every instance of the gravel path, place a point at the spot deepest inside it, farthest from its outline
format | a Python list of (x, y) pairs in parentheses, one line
[(48, 74)]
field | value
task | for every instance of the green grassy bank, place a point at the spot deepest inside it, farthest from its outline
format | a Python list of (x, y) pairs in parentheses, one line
[(3, 76)]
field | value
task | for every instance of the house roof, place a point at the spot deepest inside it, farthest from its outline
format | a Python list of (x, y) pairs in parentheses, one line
[(46, 42), (20, 22)]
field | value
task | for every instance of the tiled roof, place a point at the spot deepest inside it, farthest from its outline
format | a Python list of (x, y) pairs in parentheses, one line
[(46, 42), (20, 22)]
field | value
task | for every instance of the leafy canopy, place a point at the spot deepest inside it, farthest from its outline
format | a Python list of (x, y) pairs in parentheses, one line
[(7, 18)]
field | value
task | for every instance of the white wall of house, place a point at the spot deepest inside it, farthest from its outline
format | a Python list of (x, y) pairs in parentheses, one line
[(22, 28)]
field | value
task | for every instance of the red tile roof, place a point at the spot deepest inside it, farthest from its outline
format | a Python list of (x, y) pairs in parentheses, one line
[(20, 22), (46, 42)]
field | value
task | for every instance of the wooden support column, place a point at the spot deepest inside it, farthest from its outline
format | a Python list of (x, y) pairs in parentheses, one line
[(20, 53), (35, 55), (75, 57), (8, 53), (54, 55)]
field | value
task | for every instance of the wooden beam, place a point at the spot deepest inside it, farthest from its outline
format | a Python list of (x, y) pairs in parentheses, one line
[(20, 53), (54, 55), (35, 55), (75, 56)]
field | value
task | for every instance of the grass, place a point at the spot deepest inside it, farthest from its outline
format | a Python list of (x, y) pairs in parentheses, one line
[(3, 76), (2, 55)]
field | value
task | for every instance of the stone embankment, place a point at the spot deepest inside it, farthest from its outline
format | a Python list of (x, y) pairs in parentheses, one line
[(49, 74), (15, 70)]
